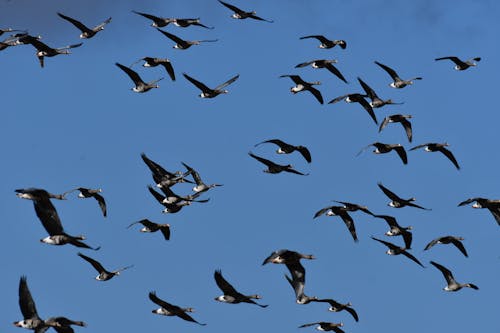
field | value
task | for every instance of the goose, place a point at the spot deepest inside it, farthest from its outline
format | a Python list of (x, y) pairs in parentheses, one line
[(356, 98), (104, 275), (440, 147), (149, 226), (324, 63), (276, 168), (153, 62), (352, 207), (342, 212), (398, 83), (492, 205), (285, 256), (170, 207), (452, 284), (376, 102), (395, 250), (63, 324), (172, 198), (455, 240), (31, 319), (163, 177), (184, 44), (92, 193), (301, 85), (325, 326), (397, 230), (158, 22), (168, 309), (298, 285), (327, 43), (86, 32), (398, 202), (461, 65), (43, 50), (186, 22), (207, 92), (140, 85), (398, 118), (231, 295), (285, 148), (384, 148), (37, 194), (337, 307), (200, 185), (241, 14)]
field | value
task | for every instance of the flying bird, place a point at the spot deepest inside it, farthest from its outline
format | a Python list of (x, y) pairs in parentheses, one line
[(397, 230), (376, 102), (440, 147), (149, 226), (384, 148), (398, 82), (395, 250), (104, 274), (285, 256), (324, 63), (342, 212), (158, 22), (285, 148), (301, 85), (398, 202), (398, 118), (63, 324), (200, 185), (452, 284), (356, 98), (31, 319), (161, 176), (184, 44), (86, 31), (327, 43), (153, 62), (492, 205), (43, 50), (276, 168), (241, 14), (168, 309), (140, 85), (186, 22), (326, 326), (298, 284), (457, 241), (461, 65), (170, 207), (207, 92), (92, 193), (337, 307), (231, 295), (352, 207)]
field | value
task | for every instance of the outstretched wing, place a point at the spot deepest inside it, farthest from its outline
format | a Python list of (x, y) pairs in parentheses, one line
[(197, 83), (76, 23), (97, 266), (389, 193), (321, 38), (450, 156), (389, 70), (172, 36), (26, 302), (130, 72), (228, 82), (232, 7), (262, 160), (222, 283), (335, 71)]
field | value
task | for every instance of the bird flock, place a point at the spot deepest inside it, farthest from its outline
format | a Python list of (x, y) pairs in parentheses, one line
[(164, 182)]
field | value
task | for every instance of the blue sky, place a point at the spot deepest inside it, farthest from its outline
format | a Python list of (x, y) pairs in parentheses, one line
[(77, 123)]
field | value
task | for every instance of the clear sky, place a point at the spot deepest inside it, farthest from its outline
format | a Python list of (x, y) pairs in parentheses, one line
[(77, 123)]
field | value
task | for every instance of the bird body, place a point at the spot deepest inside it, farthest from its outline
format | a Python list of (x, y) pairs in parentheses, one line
[(168, 309), (398, 83), (241, 14), (492, 205), (452, 284), (440, 147), (461, 65), (86, 32), (285, 148), (274, 168), (301, 85), (207, 92), (231, 295), (104, 274)]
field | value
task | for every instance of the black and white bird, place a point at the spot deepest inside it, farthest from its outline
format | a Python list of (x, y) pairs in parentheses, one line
[(440, 147), (93, 193), (452, 284), (353, 207), (398, 118), (276, 168), (324, 63), (461, 65), (398, 82), (200, 185), (104, 274), (285, 256), (158, 22), (337, 307), (398, 202), (43, 50), (231, 295), (86, 31), (182, 44), (153, 62), (384, 148), (455, 240), (161, 176), (492, 205), (285, 148), (63, 324), (241, 14), (397, 230), (344, 215), (326, 326), (149, 226), (31, 319), (327, 43), (207, 92), (301, 85), (356, 98), (167, 309), (170, 207), (298, 283), (140, 85), (395, 250), (376, 102)]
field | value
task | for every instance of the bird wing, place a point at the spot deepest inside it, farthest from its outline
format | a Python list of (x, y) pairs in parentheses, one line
[(47, 214), (419, 146), (353, 312), (97, 266), (172, 36), (402, 153), (450, 156), (76, 23), (459, 246), (271, 257), (292, 170), (390, 220), (407, 237), (26, 302), (407, 126), (232, 7), (305, 153), (316, 94), (364, 103), (167, 306), (149, 16), (194, 173), (338, 99), (197, 83), (72, 46), (165, 230), (304, 64), (321, 38), (322, 211), (170, 69), (310, 324), (445, 271), (349, 222), (228, 82), (496, 213), (335, 71), (412, 257), (369, 91), (154, 167), (431, 243), (263, 160), (277, 142), (222, 283), (389, 70), (130, 72), (416, 206), (454, 59), (298, 287), (389, 193), (388, 244), (157, 195), (255, 17), (295, 78), (100, 26), (468, 201), (102, 203)]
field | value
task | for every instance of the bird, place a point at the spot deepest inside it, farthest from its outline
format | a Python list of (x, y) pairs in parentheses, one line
[(337, 307), (31, 319), (172, 198), (241, 14), (492, 205), (398, 82), (158, 22), (452, 284), (86, 31), (169, 207), (398, 202), (324, 63), (207, 92), (104, 274), (92, 193), (398, 118), (327, 43), (376, 102), (153, 62), (149, 226), (342, 212), (384, 148), (301, 85), (395, 250), (182, 44), (285, 148), (397, 230), (43, 50), (356, 98), (276, 168), (352, 207), (326, 326), (231, 295), (440, 147), (63, 324), (200, 185), (161, 176), (186, 22), (285, 256), (168, 309), (461, 65), (298, 284), (140, 85), (455, 240), (37, 194)]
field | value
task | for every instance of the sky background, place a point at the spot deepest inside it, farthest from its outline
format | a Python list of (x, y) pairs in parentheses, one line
[(77, 123)]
